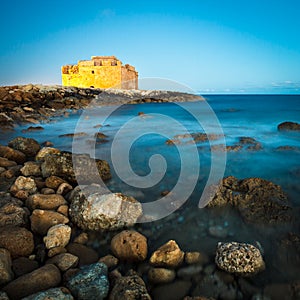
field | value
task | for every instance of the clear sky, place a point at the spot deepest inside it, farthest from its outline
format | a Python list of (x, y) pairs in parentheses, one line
[(209, 45)]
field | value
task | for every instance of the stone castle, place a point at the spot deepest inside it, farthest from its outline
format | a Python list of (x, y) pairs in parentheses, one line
[(100, 72)]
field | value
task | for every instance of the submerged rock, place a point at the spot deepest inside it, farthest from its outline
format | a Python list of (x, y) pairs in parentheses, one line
[(130, 288), (51, 294), (90, 282), (258, 200), (104, 211), (287, 126), (239, 258)]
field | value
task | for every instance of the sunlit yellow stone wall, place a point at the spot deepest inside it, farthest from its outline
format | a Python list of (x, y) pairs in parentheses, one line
[(100, 72)]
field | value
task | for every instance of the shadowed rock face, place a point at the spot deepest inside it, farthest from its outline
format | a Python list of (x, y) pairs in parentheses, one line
[(61, 164), (258, 200), (288, 126)]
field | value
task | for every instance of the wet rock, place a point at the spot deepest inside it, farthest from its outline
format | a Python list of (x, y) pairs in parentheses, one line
[(57, 236), (64, 261), (42, 220), (161, 275), (90, 282), (85, 254), (32, 128), (6, 274), (17, 240), (31, 168), (168, 255), (12, 213), (25, 184), (24, 265), (195, 258), (60, 293), (258, 200), (218, 231), (5, 163), (28, 146), (82, 238), (47, 191), (213, 286), (41, 279), (3, 295), (46, 151), (11, 154), (72, 135), (288, 126), (129, 288), (176, 290), (56, 250), (109, 260), (189, 271), (87, 170), (64, 188), (49, 202), (53, 182), (129, 245), (104, 212), (64, 210), (239, 258), (287, 148)]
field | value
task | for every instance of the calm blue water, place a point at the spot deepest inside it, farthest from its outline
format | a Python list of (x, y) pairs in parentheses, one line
[(255, 116)]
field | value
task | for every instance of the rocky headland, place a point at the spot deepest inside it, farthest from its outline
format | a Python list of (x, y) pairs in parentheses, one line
[(25, 104)]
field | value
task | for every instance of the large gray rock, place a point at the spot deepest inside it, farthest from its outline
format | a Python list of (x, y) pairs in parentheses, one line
[(239, 258), (104, 211), (258, 200), (90, 282), (61, 164)]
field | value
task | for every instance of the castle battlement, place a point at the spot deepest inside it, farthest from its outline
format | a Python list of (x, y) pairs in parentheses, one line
[(100, 72)]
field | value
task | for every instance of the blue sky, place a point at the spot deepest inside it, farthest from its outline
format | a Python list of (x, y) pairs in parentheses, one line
[(212, 46)]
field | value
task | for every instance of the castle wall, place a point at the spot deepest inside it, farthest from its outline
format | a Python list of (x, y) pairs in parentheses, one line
[(100, 72)]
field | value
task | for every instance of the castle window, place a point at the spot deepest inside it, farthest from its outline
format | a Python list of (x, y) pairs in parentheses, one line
[(93, 72), (114, 63)]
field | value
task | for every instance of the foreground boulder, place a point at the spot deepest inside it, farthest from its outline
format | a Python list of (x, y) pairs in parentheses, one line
[(285, 126), (28, 146), (17, 240), (41, 279), (104, 211), (239, 258), (90, 282), (258, 200), (87, 170)]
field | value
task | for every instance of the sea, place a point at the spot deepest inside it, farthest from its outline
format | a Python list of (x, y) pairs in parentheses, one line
[(152, 152)]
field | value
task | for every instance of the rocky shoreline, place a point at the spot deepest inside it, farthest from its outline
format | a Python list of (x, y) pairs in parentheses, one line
[(47, 246), (57, 240), (32, 104)]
